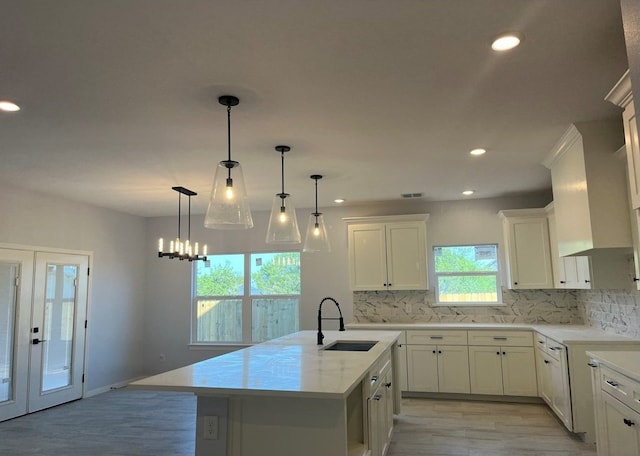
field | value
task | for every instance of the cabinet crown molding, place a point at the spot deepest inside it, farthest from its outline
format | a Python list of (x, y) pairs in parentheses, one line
[(621, 94), (536, 212), (386, 218), (565, 142)]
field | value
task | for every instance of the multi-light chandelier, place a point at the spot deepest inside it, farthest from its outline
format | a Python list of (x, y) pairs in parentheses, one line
[(179, 248)]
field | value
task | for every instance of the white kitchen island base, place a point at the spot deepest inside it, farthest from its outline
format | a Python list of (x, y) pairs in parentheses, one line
[(291, 397)]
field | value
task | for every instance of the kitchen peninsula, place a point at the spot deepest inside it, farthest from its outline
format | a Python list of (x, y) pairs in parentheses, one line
[(290, 396)]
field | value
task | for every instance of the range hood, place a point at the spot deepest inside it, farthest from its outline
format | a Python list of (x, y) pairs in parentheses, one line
[(589, 183)]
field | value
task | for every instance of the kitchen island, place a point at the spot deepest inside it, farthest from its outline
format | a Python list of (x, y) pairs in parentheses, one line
[(290, 396)]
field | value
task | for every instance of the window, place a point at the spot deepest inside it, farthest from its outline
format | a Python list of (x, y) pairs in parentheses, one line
[(467, 274), (246, 298)]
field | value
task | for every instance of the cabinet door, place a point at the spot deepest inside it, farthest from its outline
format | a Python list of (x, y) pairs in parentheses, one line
[(519, 371), (422, 368), (632, 145), (622, 428), (406, 256), (375, 407), (386, 424), (367, 257), (529, 253), (583, 269), (560, 394), (485, 370), (543, 375), (453, 369)]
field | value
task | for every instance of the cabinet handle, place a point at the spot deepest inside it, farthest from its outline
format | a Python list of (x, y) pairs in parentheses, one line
[(587, 281), (635, 279), (436, 337), (555, 348), (377, 397), (546, 362), (388, 385), (434, 352), (563, 281), (541, 341), (439, 352), (390, 284), (628, 422), (374, 379), (592, 365), (498, 353), (499, 338), (515, 283), (612, 383), (504, 353)]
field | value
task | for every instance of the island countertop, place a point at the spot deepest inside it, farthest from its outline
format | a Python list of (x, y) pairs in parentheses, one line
[(292, 365)]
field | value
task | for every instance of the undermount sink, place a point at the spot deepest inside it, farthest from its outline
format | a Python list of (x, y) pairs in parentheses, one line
[(348, 345)]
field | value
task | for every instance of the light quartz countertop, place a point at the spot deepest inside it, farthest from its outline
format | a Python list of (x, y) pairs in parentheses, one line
[(625, 362), (292, 365), (565, 334)]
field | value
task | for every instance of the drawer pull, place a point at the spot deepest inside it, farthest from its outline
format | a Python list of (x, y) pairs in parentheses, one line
[(592, 365), (555, 348), (541, 342), (436, 337), (628, 422), (612, 383), (546, 361), (374, 379), (377, 397), (388, 385), (499, 338)]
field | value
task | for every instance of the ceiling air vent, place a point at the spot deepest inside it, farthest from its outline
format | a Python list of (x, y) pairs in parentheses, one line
[(412, 195)]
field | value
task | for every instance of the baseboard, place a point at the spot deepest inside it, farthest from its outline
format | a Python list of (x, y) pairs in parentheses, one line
[(107, 388), (474, 397)]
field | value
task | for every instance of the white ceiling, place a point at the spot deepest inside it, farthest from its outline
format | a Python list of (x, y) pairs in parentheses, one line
[(383, 97)]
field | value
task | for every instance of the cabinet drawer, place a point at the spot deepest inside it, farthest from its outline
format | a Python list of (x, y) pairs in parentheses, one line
[(555, 349), (378, 370), (540, 341), (506, 338), (621, 387), (436, 337)]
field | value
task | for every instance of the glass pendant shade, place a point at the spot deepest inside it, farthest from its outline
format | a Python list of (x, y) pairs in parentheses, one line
[(316, 239), (228, 205), (283, 224)]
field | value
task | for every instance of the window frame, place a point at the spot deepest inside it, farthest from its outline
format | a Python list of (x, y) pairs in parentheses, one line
[(497, 273), (247, 301)]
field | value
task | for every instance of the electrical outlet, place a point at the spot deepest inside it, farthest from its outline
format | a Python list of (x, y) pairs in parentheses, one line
[(210, 431)]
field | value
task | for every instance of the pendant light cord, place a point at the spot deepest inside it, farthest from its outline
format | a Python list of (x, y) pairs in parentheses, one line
[(229, 137), (282, 172), (179, 212), (189, 224)]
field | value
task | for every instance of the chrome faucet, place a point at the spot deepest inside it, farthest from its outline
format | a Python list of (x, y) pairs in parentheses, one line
[(320, 335)]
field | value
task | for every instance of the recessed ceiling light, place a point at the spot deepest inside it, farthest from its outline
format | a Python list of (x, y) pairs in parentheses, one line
[(8, 106), (478, 151), (338, 200), (506, 42), (468, 192)]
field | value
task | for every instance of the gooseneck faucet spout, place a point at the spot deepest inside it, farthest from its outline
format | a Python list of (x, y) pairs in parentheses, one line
[(320, 335)]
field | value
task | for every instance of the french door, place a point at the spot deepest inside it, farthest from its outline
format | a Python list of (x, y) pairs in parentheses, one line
[(42, 340)]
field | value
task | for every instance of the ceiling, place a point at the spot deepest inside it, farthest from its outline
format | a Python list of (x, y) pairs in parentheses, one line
[(119, 97)]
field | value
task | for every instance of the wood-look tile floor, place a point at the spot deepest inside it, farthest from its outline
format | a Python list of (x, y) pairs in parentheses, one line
[(146, 423)]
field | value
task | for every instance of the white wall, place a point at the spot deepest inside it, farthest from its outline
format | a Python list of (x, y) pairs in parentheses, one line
[(114, 343), (168, 293)]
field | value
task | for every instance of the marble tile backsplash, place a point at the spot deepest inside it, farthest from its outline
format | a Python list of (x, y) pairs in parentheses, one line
[(520, 306), (616, 311)]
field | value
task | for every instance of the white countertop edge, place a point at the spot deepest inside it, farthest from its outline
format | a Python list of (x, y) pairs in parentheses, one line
[(624, 362), (563, 333)]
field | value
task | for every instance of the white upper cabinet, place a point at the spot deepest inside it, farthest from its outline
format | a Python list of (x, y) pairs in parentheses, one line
[(622, 96), (573, 272), (589, 189), (528, 253), (388, 253)]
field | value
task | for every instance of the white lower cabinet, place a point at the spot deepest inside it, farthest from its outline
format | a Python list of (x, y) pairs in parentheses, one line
[(380, 407), (617, 410), (437, 361), (553, 378), (499, 370), (438, 368)]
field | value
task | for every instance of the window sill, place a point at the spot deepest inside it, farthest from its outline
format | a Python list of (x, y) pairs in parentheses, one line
[(468, 304)]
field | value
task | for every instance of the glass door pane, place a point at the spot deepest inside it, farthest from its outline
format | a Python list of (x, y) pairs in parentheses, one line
[(8, 302), (58, 324)]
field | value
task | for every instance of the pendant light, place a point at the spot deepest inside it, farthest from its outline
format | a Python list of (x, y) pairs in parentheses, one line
[(228, 204), (283, 225), (316, 239), (179, 249)]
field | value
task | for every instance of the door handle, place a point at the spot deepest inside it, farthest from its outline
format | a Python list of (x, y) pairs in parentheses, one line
[(37, 341)]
